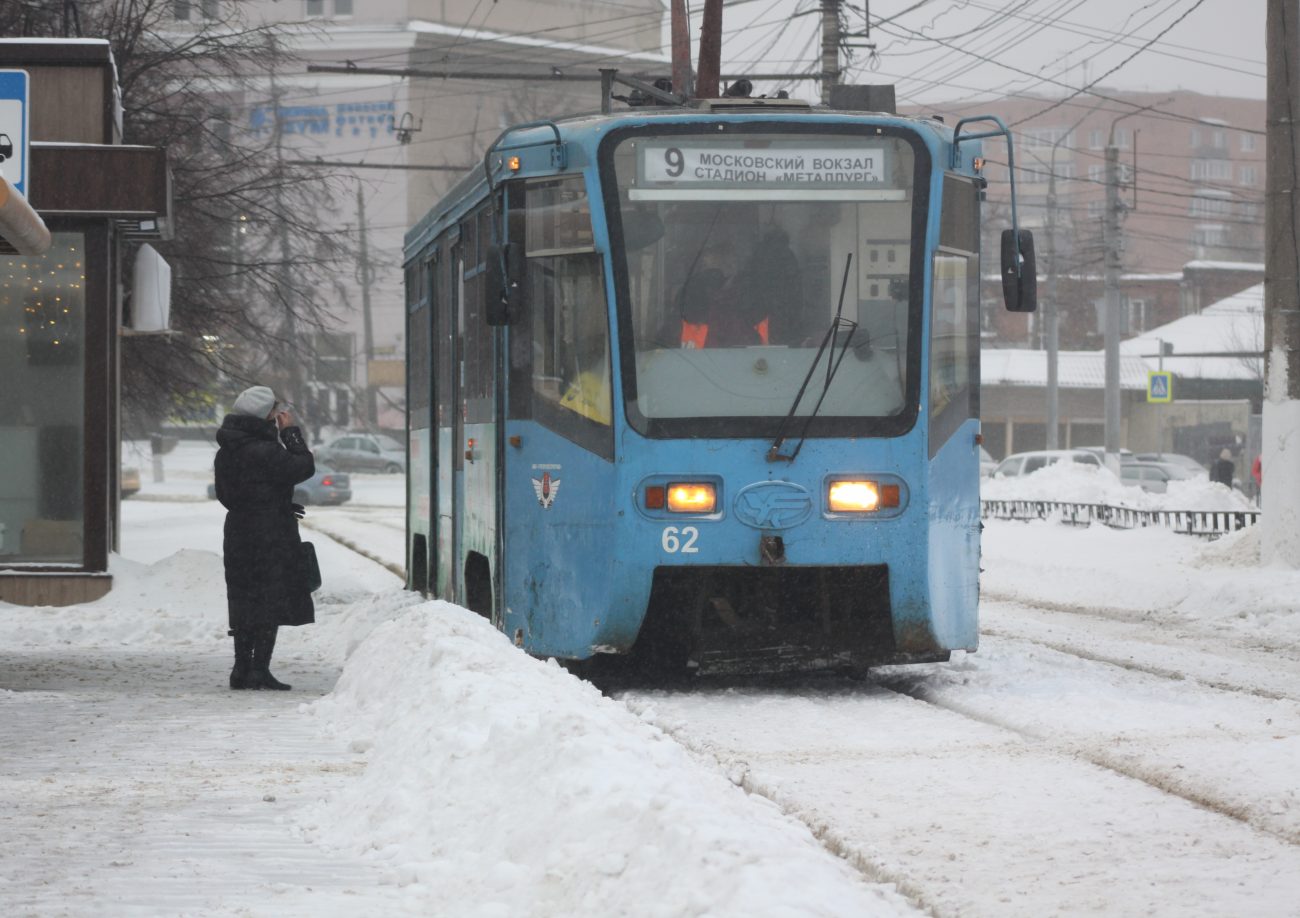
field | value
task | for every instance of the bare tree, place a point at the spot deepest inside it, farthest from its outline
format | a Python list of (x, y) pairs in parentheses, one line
[(253, 247)]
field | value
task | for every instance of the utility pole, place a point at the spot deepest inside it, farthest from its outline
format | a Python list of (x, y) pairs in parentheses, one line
[(1110, 235), (372, 398), (681, 32), (1280, 498), (830, 48), (1050, 316), (707, 74)]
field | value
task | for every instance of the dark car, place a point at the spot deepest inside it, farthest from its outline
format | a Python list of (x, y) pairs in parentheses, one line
[(325, 488), (363, 452), (6, 147)]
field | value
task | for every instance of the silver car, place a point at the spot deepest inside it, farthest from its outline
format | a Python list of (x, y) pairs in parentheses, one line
[(1018, 464), (361, 452)]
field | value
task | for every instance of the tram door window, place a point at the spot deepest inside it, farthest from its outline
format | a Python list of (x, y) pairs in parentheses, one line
[(561, 345), (954, 320), (477, 361), (444, 379)]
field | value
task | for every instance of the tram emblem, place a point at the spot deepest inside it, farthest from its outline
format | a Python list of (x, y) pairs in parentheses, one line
[(773, 505), (546, 488)]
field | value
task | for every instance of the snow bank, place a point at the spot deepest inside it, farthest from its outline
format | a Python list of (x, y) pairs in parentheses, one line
[(1072, 482), (178, 600), (502, 786), (1151, 573)]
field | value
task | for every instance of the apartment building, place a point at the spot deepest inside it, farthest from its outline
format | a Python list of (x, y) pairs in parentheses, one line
[(1191, 169), (402, 141)]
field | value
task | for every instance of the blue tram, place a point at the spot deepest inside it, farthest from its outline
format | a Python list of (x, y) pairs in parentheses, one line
[(704, 383)]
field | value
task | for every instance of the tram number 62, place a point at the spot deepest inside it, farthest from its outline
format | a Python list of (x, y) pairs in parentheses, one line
[(682, 540)]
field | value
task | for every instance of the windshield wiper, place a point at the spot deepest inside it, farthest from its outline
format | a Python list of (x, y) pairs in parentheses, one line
[(833, 362)]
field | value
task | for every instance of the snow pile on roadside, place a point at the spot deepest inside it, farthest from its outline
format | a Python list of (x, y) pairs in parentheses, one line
[(1237, 549), (1073, 482), (1149, 573), (178, 600), (1064, 481), (502, 786)]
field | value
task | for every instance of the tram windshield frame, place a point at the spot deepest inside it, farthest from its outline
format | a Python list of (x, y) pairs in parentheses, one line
[(708, 220)]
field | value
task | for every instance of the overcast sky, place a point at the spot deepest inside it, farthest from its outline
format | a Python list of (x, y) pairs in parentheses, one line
[(934, 52)]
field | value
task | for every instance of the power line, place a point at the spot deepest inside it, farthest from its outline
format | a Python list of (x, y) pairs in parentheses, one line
[(1165, 31)]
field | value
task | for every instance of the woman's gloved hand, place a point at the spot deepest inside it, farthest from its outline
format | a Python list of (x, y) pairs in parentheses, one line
[(299, 510)]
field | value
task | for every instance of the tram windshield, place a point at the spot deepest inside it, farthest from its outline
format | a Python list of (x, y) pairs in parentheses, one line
[(741, 251)]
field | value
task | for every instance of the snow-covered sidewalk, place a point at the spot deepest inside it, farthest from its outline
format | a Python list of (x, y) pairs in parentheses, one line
[(445, 774)]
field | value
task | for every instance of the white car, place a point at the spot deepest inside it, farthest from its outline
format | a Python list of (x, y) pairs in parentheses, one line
[(1018, 464), (1154, 476), (987, 463)]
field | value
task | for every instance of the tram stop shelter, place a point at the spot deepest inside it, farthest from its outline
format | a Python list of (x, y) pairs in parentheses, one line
[(60, 321)]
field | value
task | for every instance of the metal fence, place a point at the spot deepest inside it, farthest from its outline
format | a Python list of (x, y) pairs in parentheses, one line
[(1208, 523)]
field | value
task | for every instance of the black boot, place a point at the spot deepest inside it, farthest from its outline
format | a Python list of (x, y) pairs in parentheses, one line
[(243, 669), (263, 647)]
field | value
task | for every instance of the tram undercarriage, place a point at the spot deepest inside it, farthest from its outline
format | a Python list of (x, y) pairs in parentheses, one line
[(729, 620)]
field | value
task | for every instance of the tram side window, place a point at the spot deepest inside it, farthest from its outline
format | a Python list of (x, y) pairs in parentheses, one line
[(417, 336), (479, 367), (954, 321), (567, 327)]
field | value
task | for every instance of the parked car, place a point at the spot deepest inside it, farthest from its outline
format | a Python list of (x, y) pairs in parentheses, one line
[(361, 452), (1125, 455), (326, 488), (1151, 476), (1179, 459), (987, 463), (1018, 464), (130, 481)]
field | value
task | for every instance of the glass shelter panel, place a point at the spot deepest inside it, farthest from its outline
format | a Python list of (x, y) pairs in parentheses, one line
[(742, 252), (42, 372)]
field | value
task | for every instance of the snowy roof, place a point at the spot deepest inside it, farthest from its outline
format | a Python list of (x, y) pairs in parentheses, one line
[(1225, 266), (461, 33), (1075, 369), (1232, 326)]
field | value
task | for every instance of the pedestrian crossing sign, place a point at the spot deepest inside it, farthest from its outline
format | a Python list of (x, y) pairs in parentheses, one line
[(1160, 386)]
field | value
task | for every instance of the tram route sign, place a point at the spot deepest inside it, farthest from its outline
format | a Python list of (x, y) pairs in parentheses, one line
[(774, 164), (13, 129), (1160, 386)]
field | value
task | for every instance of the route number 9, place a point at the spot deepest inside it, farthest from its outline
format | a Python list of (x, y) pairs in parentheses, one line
[(682, 540), (676, 162)]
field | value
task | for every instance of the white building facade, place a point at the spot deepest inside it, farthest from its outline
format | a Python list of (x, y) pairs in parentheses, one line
[(394, 144)]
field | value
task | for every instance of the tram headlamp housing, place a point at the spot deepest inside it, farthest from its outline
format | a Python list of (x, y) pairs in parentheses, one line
[(853, 496), (692, 497), (863, 495)]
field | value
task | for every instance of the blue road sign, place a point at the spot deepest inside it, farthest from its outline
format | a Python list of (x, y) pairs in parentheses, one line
[(13, 129), (1160, 386)]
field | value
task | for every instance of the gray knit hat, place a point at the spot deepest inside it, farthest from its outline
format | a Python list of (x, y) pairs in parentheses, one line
[(256, 401)]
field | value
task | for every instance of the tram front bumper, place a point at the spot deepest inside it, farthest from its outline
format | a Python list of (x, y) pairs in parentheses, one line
[(729, 619)]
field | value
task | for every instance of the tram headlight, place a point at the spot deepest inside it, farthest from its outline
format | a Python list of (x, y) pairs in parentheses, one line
[(692, 498), (856, 496)]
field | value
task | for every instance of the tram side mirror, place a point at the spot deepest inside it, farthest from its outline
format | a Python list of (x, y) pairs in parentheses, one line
[(504, 291), (1019, 292)]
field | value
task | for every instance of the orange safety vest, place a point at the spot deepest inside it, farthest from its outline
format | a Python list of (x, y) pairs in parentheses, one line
[(696, 334)]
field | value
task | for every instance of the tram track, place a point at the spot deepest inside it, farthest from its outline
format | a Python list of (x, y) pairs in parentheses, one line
[(1112, 762), (1188, 654), (864, 829), (1116, 768)]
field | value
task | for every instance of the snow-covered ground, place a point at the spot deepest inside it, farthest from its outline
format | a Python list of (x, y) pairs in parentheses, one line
[(1125, 742)]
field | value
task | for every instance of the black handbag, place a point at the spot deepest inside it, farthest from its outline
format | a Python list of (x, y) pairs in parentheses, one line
[(310, 568)]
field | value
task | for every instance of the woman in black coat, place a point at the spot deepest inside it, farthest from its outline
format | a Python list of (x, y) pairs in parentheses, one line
[(265, 582)]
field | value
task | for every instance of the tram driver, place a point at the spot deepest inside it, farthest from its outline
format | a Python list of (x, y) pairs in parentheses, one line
[(730, 301)]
